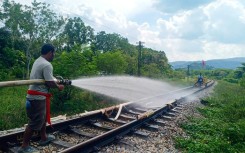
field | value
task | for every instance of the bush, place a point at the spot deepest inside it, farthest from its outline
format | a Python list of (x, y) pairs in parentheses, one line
[(223, 128), (231, 80), (242, 82), (235, 132)]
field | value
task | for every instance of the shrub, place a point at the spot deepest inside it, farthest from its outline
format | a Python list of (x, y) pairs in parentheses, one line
[(223, 128)]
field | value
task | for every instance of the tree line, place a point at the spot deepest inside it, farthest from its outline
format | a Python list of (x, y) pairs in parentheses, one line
[(79, 50)]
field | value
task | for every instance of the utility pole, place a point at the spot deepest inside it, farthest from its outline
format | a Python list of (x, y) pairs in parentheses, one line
[(188, 72), (139, 57)]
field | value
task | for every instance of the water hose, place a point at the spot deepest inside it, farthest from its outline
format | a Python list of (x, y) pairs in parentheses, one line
[(21, 82), (33, 81)]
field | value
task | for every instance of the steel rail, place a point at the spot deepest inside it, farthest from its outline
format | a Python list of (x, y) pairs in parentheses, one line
[(17, 136), (101, 140)]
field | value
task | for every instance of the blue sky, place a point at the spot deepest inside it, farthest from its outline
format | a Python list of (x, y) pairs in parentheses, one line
[(185, 29)]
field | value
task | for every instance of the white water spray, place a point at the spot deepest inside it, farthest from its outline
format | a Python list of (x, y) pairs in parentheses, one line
[(124, 87)]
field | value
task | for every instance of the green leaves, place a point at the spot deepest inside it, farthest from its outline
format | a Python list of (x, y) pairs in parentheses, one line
[(223, 127), (111, 63), (69, 64), (76, 33)]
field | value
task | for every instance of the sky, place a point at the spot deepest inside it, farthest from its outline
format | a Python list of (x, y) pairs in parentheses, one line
[(186, 30)]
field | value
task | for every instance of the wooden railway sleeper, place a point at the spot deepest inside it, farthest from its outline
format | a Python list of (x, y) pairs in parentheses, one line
[(170, 114), (96, 148), (61, 143), (150, 127), (126, 143)]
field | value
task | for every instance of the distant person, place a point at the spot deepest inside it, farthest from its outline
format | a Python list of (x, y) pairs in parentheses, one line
[(37, 97), (200, 80)]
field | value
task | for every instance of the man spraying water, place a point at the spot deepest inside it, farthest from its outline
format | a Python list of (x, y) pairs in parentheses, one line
[(38, 98)]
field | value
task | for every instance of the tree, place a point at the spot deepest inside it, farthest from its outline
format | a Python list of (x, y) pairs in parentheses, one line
[(39, 25), (110, 42), (111, 63), (10, 16), (69, 64), (132, 62), (76, 33), (240, 73), (156, 60), (11, 60), (151, 71)]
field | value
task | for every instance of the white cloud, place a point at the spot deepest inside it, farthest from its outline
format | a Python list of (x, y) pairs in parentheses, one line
[(179, 49), (225, 22), (207, 32), (185, 30), (217, 50), (149, 36), (185, 25)]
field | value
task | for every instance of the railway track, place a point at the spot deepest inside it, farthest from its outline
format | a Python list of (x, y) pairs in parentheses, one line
[(92, 131)]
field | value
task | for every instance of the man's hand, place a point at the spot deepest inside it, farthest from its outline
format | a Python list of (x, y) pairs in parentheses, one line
[(61, 87), (52, 84)]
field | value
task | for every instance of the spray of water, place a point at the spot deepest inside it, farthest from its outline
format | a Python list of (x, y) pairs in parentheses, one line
[(125, 88)]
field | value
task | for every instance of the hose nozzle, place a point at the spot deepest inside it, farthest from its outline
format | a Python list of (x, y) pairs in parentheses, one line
[(63, 81)]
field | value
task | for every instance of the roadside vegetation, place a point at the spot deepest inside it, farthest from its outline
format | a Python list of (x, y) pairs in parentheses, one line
[(222, 128), (13, 114)]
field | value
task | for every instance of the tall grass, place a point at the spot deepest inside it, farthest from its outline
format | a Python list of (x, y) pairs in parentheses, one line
[(223, 127), (12, 110)]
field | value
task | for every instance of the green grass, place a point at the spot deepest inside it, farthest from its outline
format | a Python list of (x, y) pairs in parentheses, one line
[(12, 110), (70, 102), (223, 127)]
